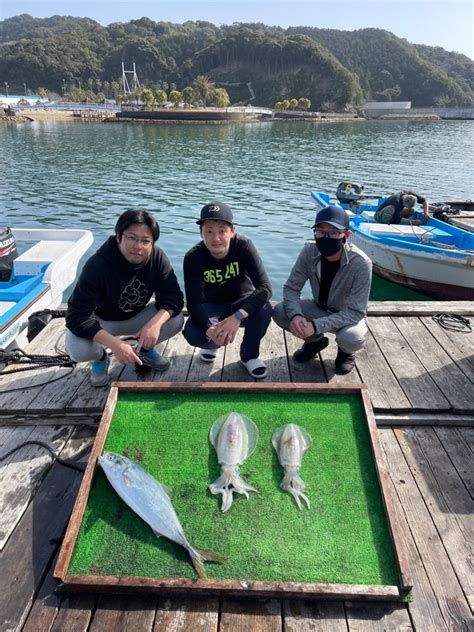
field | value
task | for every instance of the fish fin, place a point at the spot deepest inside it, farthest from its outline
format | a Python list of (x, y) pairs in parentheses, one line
[(199, 567), (216, 428), (308, 442), (276, 438), (211, 556), (252, 433)]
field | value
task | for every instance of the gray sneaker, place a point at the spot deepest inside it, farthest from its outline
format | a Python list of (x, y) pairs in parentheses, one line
[(99, 372), (154, 360)]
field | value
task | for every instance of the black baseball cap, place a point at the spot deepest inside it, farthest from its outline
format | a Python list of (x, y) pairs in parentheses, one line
[(216, 210), (334, 215)]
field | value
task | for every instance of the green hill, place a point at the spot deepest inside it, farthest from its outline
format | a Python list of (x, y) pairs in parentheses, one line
[(336, 70)]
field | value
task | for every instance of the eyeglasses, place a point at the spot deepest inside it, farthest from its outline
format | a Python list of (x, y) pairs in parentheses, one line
[(332, 234), (133, 239)]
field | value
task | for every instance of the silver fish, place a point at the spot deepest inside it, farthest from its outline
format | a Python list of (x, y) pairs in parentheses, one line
[(290, 443), (150, 500), (234, 438)]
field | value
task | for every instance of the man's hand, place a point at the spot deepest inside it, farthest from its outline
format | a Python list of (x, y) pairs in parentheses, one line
[(301, 328), (124, 352), (148, 335), (223, 332)]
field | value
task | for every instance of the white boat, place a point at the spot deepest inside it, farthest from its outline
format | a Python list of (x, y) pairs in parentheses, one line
[(40, 275), (436, 258)]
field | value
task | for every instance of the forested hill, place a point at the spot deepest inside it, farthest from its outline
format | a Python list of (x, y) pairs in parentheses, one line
[(334, 69)]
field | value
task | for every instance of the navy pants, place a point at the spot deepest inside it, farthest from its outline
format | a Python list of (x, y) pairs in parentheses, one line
[(255, 327)]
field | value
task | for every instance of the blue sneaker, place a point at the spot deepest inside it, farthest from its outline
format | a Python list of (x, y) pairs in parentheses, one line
[(99, 372), (154, 360)]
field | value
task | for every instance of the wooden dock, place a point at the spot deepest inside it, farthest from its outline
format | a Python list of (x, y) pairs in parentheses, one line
[(420, 379)]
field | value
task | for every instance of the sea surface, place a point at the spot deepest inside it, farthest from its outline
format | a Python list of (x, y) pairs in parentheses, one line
[(84, 174)]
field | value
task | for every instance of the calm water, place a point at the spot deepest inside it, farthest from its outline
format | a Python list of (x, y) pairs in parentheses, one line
[(82, 174)]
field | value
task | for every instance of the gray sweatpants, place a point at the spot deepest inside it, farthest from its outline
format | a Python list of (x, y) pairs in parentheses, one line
[(84, 350), (350, 339)]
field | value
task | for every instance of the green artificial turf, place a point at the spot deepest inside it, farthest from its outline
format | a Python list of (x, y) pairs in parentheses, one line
[(342, 538)]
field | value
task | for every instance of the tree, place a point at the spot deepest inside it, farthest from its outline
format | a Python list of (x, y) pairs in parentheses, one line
[(220, 98), (147, 97), (161, 97), (278, 106), (285, 104), (293, 104), (202, 88), (175, 97), (188, 95), (304, 104)]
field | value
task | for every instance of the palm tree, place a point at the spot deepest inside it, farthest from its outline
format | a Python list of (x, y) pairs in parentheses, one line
[(203, 88), (188, 95)]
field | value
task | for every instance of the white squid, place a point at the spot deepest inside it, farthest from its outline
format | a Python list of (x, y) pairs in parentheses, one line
[(291, 442), (234, 438)]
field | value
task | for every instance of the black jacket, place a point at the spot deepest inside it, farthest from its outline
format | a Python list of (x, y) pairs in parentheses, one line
[(111, 288), (240, 274)]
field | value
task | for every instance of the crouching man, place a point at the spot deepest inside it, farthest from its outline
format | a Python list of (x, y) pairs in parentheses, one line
[(113, 298), (340, 277)]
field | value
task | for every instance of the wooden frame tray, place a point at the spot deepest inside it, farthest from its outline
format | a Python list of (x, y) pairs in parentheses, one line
[(96, 582)]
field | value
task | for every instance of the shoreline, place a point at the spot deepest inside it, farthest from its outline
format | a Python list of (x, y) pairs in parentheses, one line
[(31, 115)]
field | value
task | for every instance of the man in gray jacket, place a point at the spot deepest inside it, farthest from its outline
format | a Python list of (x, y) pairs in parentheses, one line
[(340, 276)]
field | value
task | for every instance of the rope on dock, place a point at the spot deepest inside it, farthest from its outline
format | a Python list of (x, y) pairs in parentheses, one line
[(49, 449), (453, 322)]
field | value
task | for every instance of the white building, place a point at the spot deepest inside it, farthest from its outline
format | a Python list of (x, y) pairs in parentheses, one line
[(374, 109)]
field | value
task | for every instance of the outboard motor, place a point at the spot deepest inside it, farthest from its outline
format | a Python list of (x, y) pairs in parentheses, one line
[(8, 253), (349, 192)]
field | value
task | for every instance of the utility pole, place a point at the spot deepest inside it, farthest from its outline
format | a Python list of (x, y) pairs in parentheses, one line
[(6, 87)]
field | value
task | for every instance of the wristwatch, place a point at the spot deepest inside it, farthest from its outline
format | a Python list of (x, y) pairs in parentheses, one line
[(239, 315)]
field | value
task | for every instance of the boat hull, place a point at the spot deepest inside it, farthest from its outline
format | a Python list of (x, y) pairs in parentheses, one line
[(441, 277)]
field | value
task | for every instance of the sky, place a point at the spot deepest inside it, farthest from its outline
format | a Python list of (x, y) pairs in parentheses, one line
[(445, 23)]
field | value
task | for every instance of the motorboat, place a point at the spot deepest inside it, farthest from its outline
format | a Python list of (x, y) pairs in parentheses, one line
[(435, 258), (46, 267)]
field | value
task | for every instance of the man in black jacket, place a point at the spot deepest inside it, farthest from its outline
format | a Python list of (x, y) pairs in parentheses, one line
[(113, 295), (226, 287)]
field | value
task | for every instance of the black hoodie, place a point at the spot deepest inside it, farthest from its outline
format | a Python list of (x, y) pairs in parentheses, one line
[(111, 288)]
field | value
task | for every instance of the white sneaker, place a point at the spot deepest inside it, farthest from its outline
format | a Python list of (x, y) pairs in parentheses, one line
[(208, 355)]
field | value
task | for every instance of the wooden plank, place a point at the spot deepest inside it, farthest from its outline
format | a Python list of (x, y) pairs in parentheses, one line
[(273, 353), (379, 617), (424, 608), (419, 387), (248, 615), (75, 613), (328, 358), (124, 612), (460, 454), (385, 392), (447, 500), (232, 370), (310, 372), (314, 616), (18, 390), (30, 549), (45, 607), (424, 419), (89, 399), (458, 345), (416, 308), (22, 474), (49, 419), (180, 354), (442, 598), (468, 437), (184, 614), (456, 387)]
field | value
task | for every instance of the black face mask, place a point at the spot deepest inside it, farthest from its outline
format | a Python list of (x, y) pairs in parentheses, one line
[(328, 247)]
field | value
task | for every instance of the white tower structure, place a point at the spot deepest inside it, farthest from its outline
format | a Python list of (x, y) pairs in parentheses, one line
[(135, 83)]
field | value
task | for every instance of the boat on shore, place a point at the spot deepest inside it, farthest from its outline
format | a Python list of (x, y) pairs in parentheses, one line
[(436, 258), (45, 268)]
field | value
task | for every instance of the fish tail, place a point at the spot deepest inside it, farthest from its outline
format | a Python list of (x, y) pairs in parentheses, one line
[(199, 567), (211, 556), (198, 556)]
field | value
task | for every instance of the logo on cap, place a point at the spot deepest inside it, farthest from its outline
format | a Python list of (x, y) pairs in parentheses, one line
[(213, 208)]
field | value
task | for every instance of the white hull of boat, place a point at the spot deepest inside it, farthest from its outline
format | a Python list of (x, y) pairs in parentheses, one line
[(442, 277), (55, 255)]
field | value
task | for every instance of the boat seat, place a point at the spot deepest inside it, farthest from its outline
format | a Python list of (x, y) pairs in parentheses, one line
[(42, 253)]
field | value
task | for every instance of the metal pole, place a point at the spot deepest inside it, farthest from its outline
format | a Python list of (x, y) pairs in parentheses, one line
[(6, 87)]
